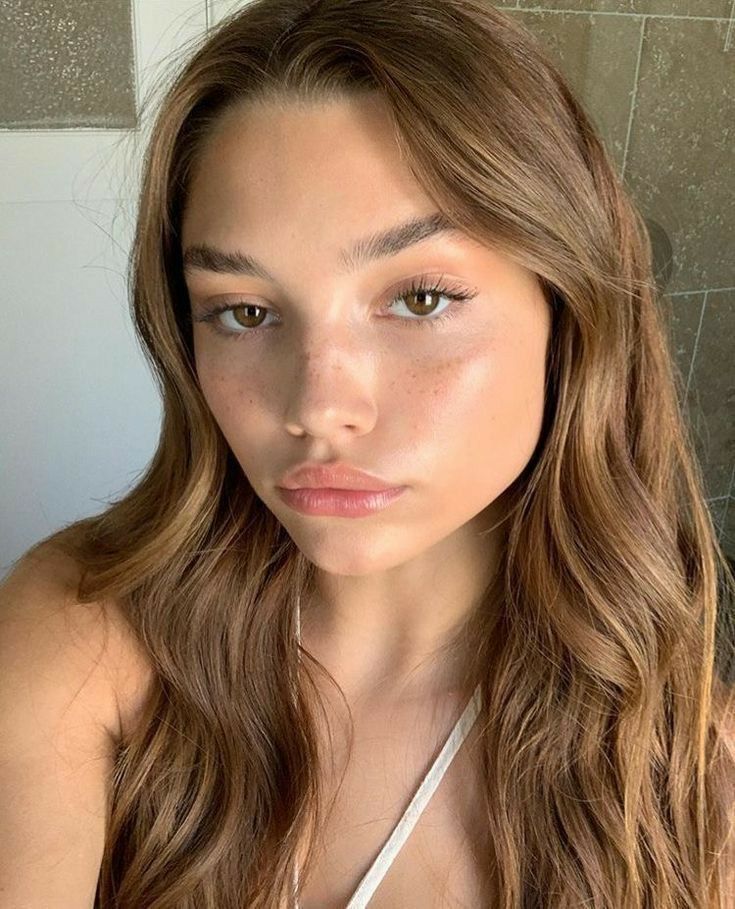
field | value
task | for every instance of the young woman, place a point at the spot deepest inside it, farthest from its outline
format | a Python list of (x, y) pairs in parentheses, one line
[(417, 604)]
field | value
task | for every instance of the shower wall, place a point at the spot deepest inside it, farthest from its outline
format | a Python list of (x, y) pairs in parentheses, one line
[(658, 79)]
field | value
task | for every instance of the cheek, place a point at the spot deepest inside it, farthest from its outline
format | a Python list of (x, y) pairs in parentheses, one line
[(235, 397), (480, 418)]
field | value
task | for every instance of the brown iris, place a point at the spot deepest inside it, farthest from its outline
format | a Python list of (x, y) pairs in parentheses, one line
[(247, 306)]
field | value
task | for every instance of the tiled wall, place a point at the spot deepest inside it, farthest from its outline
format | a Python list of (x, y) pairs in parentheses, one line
[(66, 63), (657, 76)]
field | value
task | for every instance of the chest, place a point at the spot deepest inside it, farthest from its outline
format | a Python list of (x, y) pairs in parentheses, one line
[(445, 861)]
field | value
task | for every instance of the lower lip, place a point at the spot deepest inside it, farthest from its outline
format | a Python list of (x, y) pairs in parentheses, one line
[(344, 503)]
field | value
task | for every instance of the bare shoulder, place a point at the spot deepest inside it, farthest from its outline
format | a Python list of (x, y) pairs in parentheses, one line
[(90, 645), (64, 667)]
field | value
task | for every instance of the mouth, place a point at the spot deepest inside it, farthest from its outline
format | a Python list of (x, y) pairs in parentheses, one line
[(339, 476), (348, 503)]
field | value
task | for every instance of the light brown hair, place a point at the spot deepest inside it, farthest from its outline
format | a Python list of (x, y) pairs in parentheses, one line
[(603, 675)]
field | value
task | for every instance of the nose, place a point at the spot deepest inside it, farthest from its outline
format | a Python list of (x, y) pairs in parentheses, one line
[(331, 389)]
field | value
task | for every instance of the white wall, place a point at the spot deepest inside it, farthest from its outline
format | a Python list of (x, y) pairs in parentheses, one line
[(80, 412)]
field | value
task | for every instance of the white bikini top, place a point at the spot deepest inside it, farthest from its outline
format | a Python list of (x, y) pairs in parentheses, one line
[(379, 868)]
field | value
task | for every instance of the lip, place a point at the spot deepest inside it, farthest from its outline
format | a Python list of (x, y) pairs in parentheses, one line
[(345, 503), (338, 476)]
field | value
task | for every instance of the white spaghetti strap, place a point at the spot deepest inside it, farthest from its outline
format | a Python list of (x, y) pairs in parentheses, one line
[(377, 871), (375, 874)]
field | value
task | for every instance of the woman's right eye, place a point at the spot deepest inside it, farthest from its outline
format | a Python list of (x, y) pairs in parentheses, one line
[(249, 322)]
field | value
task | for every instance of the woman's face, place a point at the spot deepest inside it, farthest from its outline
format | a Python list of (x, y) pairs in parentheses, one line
[(331, 357)]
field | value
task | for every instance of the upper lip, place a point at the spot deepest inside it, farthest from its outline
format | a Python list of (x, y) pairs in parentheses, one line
[(333, 476)]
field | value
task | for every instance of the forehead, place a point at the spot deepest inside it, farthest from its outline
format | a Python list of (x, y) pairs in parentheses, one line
[(306, 186), (304, 163)]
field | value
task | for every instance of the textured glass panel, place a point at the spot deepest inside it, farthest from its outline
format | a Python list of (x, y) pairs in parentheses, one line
[(66, 64)]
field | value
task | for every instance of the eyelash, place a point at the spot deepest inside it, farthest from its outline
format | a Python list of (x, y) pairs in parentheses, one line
[(456, 293)]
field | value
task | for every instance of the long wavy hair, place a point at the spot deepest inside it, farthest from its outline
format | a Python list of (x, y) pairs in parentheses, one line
[(605, 685)]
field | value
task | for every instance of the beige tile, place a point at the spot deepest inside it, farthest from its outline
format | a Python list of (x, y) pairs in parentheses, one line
[(66, 64), (86, 164), (655, 7), (681, 158), (711, 396), (723, 511), (718, 509), (683, 315), (598, 55), (663, 252), (727, 536)]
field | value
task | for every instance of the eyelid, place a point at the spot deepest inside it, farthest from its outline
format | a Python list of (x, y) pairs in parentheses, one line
[(430, 276), (458, 294)]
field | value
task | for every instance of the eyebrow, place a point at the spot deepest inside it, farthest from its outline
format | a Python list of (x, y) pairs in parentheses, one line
[(204, 257)]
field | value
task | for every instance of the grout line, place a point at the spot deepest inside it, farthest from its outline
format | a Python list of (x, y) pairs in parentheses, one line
[(721, 534), (597, 12), (728, 36), (727, 496), (66, 201), (69, 130), (136, 58), (728, 506), (634, 99), (702, 290), (696, 344)]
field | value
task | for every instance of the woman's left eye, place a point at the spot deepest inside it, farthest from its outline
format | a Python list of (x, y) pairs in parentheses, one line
[(419, 295)]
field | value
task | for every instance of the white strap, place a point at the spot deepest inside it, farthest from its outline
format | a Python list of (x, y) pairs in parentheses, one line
[(375, 874)]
